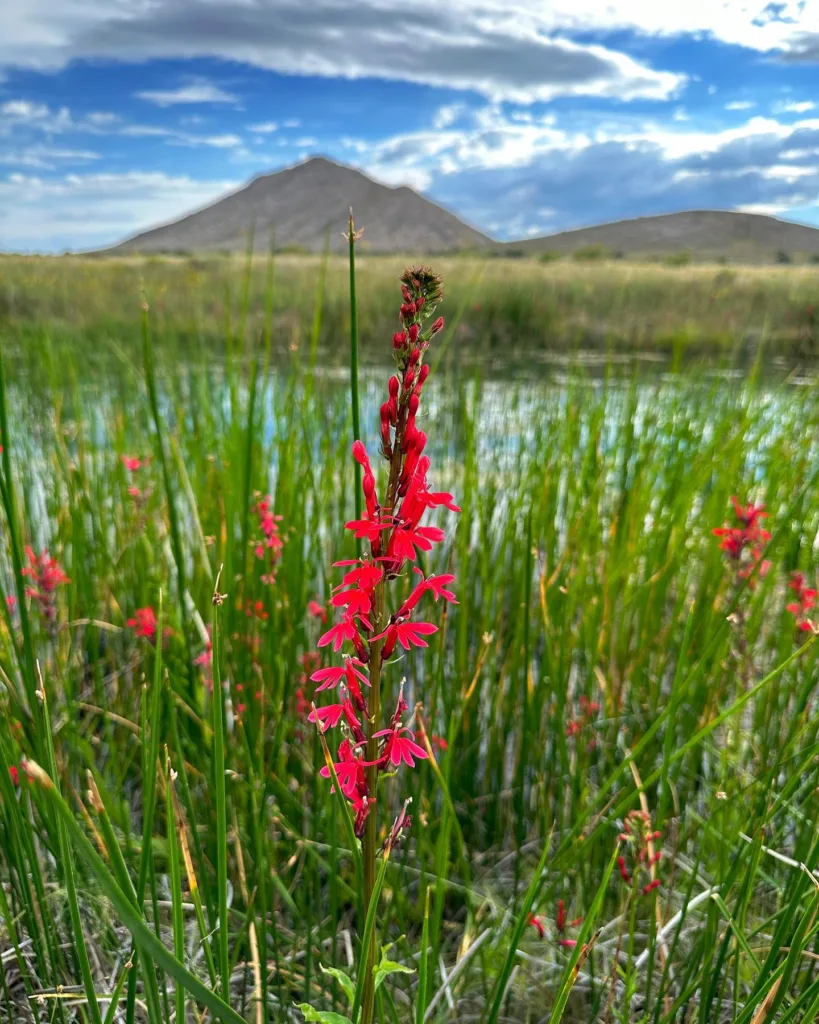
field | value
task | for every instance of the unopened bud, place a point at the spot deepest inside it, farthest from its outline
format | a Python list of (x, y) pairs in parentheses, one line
[(419, 302), (385, 413), (399, 338), (423, 373), (394, 385), (420, 442), (414, 402), (437, 326), (415, 355), (413, 333), (409, 379)]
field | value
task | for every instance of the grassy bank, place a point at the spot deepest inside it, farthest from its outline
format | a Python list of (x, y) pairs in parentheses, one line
[(506, 306), (606, 657)]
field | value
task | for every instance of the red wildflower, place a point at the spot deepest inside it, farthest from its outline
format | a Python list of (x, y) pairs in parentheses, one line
[(14, 775), (368, 528), (330, 715), (400, 746), (341, 631), (317, 610), (744, 544), (805, 600), (133, 462), (350, 771), (46, 574), (144, 623), (405, 633), (350, 671), (537, 924)]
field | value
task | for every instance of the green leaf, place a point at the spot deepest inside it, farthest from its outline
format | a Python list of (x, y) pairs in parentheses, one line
[(343, 979), (387, 967), (322, 1016)]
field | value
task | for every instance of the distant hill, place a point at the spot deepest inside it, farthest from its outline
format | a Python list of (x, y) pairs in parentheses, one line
[(300, 203), (705, 234)]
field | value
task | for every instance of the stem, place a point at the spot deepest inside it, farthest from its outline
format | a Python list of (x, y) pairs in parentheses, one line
[(351, 237)]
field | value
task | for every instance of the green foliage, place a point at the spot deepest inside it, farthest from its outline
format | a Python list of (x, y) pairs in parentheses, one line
[(592, 253), (588, 574), (678, 259)]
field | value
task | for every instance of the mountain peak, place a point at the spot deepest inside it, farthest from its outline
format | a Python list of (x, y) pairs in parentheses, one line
[(297, 206)]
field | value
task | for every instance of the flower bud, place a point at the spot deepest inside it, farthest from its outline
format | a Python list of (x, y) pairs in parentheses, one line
[(394, 384), (419, 302), (420, 442), (413, 333), (409, 379), (423, 373), (414, 402), (399, 338), (385, 413), (437, 326)]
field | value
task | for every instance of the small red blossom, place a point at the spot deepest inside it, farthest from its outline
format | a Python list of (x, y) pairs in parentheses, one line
[(330, 715), (133, 462), (14, 774), (408, 634), (744, 544), (537, 924), (331, 676), (805, 600), (400, 746), (317, 610), (341, 631), (144, 623)]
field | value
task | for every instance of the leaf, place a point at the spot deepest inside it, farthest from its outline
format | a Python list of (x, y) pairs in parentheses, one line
[(343, 979), (386, 967), (322, 1016)]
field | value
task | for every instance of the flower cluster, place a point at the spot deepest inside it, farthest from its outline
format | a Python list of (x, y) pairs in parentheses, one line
[(588, 709), (269, 545), (46, 575), (744, 542), (561, 924), (144, 623), (393, 533), (638, 835), (805, 599), (133, 463)]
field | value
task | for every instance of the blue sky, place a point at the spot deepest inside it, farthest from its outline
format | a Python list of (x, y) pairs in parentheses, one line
[(522, 116)]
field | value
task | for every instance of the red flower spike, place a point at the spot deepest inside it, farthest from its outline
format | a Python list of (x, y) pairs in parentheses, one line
[(437, 326), (537, 924)]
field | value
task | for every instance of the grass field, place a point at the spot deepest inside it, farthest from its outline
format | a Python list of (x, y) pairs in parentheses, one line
[(503, 307), (609, 673)]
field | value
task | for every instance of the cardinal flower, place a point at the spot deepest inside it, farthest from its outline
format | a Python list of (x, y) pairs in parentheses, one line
[(400, 746), (330, 715), (349, 769), (408, 634), (341, 631), (144, 623)]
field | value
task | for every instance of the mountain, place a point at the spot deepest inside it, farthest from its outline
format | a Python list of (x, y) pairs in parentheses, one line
[(296, 207), (705, 234)]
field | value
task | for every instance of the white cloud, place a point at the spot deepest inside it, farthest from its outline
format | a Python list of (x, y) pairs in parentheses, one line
[(89, 210), (475, 45), (794, 107), (265, 128), (45, 157), (198, 91), (740, 105), (291, 122)]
